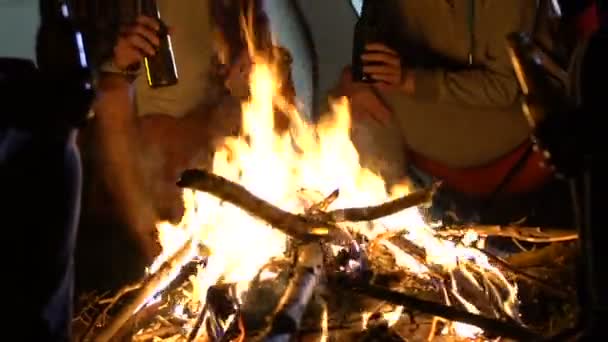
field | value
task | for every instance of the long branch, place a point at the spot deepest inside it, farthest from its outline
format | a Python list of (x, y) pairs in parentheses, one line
[(528, 234), (305, 228), (386, 209), (302, 227), (501, 328)]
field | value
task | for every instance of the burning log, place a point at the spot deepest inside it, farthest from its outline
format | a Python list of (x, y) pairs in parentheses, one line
[(294, 302), (151, 286)]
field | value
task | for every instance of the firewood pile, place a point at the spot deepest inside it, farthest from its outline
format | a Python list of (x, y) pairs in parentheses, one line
[(334, 284)]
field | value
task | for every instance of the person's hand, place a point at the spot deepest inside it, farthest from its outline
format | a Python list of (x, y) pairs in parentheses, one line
[(385, 67), (136, 42), (365, 102), (383, 64)]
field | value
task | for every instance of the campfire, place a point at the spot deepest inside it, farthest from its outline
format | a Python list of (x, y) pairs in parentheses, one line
[(288, 236)]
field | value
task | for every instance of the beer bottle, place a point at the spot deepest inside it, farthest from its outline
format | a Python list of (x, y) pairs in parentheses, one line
[(367, 30), (65, 76), (160, 68)]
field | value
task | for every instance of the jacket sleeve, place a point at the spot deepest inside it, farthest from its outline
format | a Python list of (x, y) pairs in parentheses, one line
[(492, 83)]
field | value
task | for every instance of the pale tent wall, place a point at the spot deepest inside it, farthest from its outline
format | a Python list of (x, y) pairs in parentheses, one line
[(290, 31), (18, 25), (329, 24)]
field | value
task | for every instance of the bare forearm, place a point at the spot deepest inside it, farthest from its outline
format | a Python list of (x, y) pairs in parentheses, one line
[(116, 134)]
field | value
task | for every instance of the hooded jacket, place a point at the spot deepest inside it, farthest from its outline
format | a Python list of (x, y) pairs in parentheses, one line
[(466, 109)]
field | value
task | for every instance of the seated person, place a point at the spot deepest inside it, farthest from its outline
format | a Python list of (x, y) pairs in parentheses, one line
[(444, 87)]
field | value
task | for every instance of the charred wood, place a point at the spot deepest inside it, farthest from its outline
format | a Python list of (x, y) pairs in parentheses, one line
[(293, 304)]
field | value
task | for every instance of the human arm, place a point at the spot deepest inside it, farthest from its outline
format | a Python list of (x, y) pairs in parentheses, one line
[(489, 81), (115, 133)]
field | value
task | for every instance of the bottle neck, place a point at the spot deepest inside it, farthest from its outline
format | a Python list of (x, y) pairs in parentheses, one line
[(149, 8), (369, 11)]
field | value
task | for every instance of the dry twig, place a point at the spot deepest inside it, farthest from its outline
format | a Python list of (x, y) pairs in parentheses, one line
[(383, 210), (111, 302), (160, 332), (148, 289), (501, 328), (553, 254), (548, 286), (528, 234)]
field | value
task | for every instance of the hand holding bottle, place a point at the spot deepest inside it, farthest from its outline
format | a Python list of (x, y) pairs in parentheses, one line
[(136, 42)]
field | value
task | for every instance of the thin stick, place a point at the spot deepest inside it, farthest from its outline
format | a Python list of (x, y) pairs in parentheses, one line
[(504, 329), (160, 332), (149, 288), (550, 255), (305, 228), (385, 209), (198, 324), (324, 204), (553, 288), (111, 302), (528, 234)]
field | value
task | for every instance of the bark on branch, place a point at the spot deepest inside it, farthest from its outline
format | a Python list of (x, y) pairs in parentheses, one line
[(386, 209), (300, 227), (303, 227)]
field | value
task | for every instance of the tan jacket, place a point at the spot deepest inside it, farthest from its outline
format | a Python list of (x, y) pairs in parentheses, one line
[(463, 114)]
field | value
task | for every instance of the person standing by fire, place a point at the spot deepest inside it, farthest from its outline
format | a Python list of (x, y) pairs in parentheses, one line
[(439, 85), (142, 137)]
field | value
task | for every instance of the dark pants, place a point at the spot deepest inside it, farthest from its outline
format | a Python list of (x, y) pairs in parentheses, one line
[(40, 181)]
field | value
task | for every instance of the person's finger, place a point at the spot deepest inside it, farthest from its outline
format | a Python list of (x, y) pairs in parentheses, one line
[(149, 22), (378, 108), (390, 79), (381, 57), (126, 55), (148, 34), (380, 113), (383, 87), (378, 47), (142, 44), (369, 105), (382, 69)]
